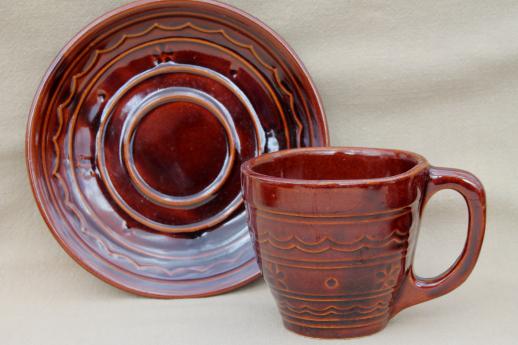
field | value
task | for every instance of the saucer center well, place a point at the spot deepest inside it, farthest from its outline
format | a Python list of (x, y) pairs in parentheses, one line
[(179, 148)]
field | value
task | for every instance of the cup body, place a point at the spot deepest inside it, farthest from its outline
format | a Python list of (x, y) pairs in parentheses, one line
[(335, 231)]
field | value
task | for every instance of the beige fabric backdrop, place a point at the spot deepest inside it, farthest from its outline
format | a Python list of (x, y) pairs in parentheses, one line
[(436, 77)]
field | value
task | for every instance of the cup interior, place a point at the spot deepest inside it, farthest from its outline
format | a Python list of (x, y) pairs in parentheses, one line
[(336, 164)]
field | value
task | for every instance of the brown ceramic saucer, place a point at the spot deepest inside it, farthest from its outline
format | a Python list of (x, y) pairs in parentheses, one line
[(137, 133)]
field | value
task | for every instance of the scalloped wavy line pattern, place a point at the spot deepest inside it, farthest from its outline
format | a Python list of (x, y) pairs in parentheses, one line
[(326, 243)]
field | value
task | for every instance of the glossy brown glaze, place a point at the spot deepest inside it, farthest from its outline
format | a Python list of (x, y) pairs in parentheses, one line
[(137, 133), (335, 231)]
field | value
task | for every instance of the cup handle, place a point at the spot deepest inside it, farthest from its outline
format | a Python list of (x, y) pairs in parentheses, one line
[(415, 289)]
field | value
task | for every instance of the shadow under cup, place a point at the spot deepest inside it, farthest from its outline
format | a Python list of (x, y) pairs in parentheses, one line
[(335, 231)]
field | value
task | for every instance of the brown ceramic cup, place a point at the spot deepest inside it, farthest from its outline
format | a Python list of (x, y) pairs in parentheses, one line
[(335, 232)]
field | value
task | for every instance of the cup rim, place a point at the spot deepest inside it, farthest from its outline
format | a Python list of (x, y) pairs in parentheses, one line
[(247, 168)]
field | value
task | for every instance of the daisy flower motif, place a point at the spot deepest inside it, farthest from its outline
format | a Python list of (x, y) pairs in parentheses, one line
[(388, 277)]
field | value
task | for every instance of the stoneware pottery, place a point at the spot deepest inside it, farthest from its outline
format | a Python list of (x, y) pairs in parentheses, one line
[(137, 133), (335, 230)]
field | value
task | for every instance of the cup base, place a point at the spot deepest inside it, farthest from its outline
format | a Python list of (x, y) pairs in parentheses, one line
[(334, 333)]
